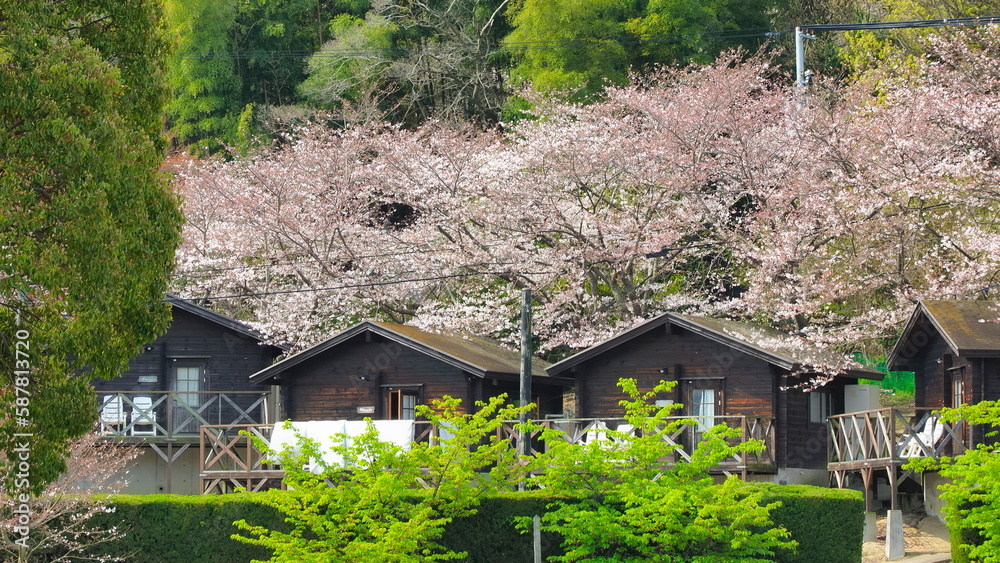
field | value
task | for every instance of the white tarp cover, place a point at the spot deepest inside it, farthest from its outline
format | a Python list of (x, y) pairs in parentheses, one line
[(338, 432)]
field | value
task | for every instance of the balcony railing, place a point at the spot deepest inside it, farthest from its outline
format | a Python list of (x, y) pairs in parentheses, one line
[(887, 436), (172, 414), (231, 460)]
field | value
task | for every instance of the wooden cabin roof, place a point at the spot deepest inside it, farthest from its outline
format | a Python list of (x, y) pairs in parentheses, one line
[(969, 328), (473, 354), (222, 320), (775, 347)]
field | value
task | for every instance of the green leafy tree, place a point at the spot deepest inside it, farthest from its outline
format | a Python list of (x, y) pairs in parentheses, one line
[(353, 63), (89, 225), (205, 105), (973, 494), (579, 46), (436, 59), (276, 36), (627, 506), (571, 46), (371, 508)]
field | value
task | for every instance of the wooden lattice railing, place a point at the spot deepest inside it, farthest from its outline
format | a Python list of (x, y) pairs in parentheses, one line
[(171, 414), (584, 430), (230, 460), (860, 439)]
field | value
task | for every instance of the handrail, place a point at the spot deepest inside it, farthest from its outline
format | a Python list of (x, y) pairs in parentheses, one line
[(229, 458), (169, 414), (888, 436)]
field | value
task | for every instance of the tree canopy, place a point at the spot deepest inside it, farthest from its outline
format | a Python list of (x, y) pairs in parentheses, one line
[(89, 226), (713, 189)]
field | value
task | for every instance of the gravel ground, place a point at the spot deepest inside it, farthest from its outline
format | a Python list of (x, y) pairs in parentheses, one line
[(923, 535)]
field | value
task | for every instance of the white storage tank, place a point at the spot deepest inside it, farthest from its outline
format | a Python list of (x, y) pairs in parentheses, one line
[(860, 398)]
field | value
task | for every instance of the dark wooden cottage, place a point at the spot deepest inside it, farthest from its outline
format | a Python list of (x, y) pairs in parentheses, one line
[(195, 374), (953, 349), (726, 371), (383, 370)]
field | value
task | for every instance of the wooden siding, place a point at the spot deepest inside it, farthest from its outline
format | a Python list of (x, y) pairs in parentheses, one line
[(749, 386), (363, 371), (930, 387), (990, 368)]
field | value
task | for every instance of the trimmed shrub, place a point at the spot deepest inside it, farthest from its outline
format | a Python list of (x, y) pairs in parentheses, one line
[(827, 523), (962, 537), (191, 529), (490, 535)]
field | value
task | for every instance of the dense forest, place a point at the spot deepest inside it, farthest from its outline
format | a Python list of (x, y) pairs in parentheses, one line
[(425, 162), (243, 70)]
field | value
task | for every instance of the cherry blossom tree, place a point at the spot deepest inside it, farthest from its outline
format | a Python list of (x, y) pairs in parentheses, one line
[(59, 519), (713, 189)]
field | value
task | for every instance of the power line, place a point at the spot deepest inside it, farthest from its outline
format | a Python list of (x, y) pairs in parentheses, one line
[(984, 20), (743, 33)]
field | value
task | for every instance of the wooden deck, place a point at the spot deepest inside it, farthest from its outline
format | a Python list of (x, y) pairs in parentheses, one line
[(885, 440), (230, 460)]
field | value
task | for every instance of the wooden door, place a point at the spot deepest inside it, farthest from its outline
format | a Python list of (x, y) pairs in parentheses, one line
[(188, 381), (704, 402), (959, 387)]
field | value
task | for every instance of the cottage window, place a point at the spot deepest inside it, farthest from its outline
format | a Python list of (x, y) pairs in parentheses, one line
[(957, 392), (703, 408), (403, 404), (819, 407), (187, 385)]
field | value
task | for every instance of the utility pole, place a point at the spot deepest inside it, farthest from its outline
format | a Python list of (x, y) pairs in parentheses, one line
[(800, 57), (525, 367)]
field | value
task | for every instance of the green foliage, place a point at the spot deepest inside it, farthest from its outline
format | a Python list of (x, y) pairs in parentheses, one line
[(570, 46), (973, 495), (89, 225), (266, 28), (827, 524), (337, 73), (187, 528), (962, 538), (578, 46), (632, 508), (368, 510), (670, 31), (202, 77)]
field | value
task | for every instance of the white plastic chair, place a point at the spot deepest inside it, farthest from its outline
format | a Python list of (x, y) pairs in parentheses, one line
[(112, 414), (143, 415), (929, 436)]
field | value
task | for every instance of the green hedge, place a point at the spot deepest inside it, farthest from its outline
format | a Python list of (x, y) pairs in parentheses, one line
[(827, 523), (187, 529)]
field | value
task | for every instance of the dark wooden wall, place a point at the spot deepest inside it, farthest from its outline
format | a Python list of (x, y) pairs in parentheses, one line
[(362, 371), (229, 358), (802, 443), (924, 354), (749, 386)]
